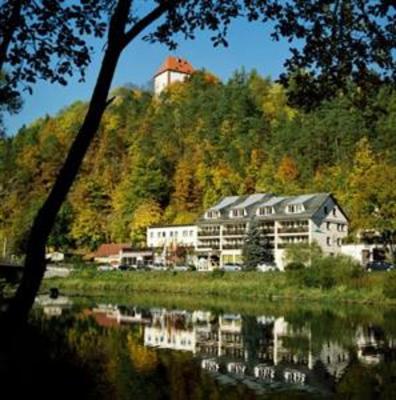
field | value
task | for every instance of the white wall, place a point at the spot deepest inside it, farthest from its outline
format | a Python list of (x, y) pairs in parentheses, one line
[(325, 224), (161, 81), (184, 235), (177, 76), (356, 251)]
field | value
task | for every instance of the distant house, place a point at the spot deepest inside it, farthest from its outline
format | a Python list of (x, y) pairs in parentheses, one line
[(110, 253), (122, 253), (55, 256), (173, 69), (364, 253), (166, 238)]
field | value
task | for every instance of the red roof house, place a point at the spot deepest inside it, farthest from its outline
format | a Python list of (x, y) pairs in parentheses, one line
[(175, 64)]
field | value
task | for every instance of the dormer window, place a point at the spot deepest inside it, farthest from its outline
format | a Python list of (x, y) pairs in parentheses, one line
[(212, 214), (294, 208), (265, 211), (237, 213)]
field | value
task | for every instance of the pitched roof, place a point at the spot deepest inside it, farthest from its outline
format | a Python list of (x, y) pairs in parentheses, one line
[(110, 249), (312, 203), (175, 64), (250, 200)]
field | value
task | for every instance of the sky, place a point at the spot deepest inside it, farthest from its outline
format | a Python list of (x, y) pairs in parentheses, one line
[(250, 47)]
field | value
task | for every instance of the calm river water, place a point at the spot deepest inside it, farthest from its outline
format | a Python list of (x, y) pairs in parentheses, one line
[(148, 349)]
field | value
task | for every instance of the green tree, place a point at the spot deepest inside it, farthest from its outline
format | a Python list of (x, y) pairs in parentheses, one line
[(183, 17), (256, 249), (303, 253)]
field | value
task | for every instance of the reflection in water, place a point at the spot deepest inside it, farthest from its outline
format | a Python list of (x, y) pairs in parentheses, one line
[(253, 351), (155, 353)]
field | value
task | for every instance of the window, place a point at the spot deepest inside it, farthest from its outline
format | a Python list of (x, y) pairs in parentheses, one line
[(328, 241), (212, 214), (185, 233), (151, 234), (325, 210), (191, 233), (328, 225), (334, 211), (171, 234), (339, 242), (237, 212), (267, 210), (164, 234), (294, 208)]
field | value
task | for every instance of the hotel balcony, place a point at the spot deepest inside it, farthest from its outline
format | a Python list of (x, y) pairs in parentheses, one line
[(208, 245), (294, 229), (267, 232), (286, 243), (207, 233), (232, 246), (234, 232)]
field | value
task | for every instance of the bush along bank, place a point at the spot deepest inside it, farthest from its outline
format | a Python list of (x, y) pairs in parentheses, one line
[(327, 279)]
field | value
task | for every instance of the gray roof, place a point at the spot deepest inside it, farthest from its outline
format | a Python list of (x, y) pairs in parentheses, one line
[(301, 199), (250, 200), (312, 203), (225, 202), (272, 201)]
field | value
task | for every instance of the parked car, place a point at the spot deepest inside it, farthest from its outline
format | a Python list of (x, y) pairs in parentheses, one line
[(157, 267), (124, 267), (232, 267), (180, 268), (379, 266), (266, 267), (105, 267)]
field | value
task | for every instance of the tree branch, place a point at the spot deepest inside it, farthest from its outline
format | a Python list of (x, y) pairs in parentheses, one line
[(9, 30), (147, 20)]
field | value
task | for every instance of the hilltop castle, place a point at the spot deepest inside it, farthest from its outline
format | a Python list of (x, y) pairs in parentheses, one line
[(173, 69)]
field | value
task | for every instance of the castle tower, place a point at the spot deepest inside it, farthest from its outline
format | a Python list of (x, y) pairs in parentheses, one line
[(173, 69)]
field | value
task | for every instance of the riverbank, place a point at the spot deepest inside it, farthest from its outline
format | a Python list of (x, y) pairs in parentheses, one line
[(369, 288)]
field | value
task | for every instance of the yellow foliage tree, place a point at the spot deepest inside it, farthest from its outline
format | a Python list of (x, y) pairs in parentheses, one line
[(146, 214), (144, 359), (275, 105), (287, 175)]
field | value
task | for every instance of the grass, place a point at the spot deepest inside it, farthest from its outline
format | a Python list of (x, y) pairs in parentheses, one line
[(366, 288)]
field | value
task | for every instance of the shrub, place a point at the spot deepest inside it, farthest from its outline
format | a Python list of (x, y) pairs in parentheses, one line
[(294, 266), (389, 289), (217, 273), (327, 272), (303, 253)]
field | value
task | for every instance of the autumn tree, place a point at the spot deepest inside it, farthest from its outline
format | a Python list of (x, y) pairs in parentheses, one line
[(316, 22), (287, 174), (146, 214), (373, 197)]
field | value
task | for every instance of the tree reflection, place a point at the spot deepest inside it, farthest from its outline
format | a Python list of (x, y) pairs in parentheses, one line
[(111, 352)]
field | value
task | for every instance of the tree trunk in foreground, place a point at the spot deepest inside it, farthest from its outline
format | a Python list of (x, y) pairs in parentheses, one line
[(42, 225), (35, 264)]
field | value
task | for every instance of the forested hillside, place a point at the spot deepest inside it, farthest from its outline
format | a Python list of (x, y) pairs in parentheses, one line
[(164, 160)]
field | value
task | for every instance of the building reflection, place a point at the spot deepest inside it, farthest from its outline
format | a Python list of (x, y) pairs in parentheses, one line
[(253, 350), (53, 307)]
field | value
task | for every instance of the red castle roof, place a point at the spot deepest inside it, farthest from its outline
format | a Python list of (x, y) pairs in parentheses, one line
[(175, 64)]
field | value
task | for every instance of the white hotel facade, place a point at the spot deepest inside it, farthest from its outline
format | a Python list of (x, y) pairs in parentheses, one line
[(218, 236)]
